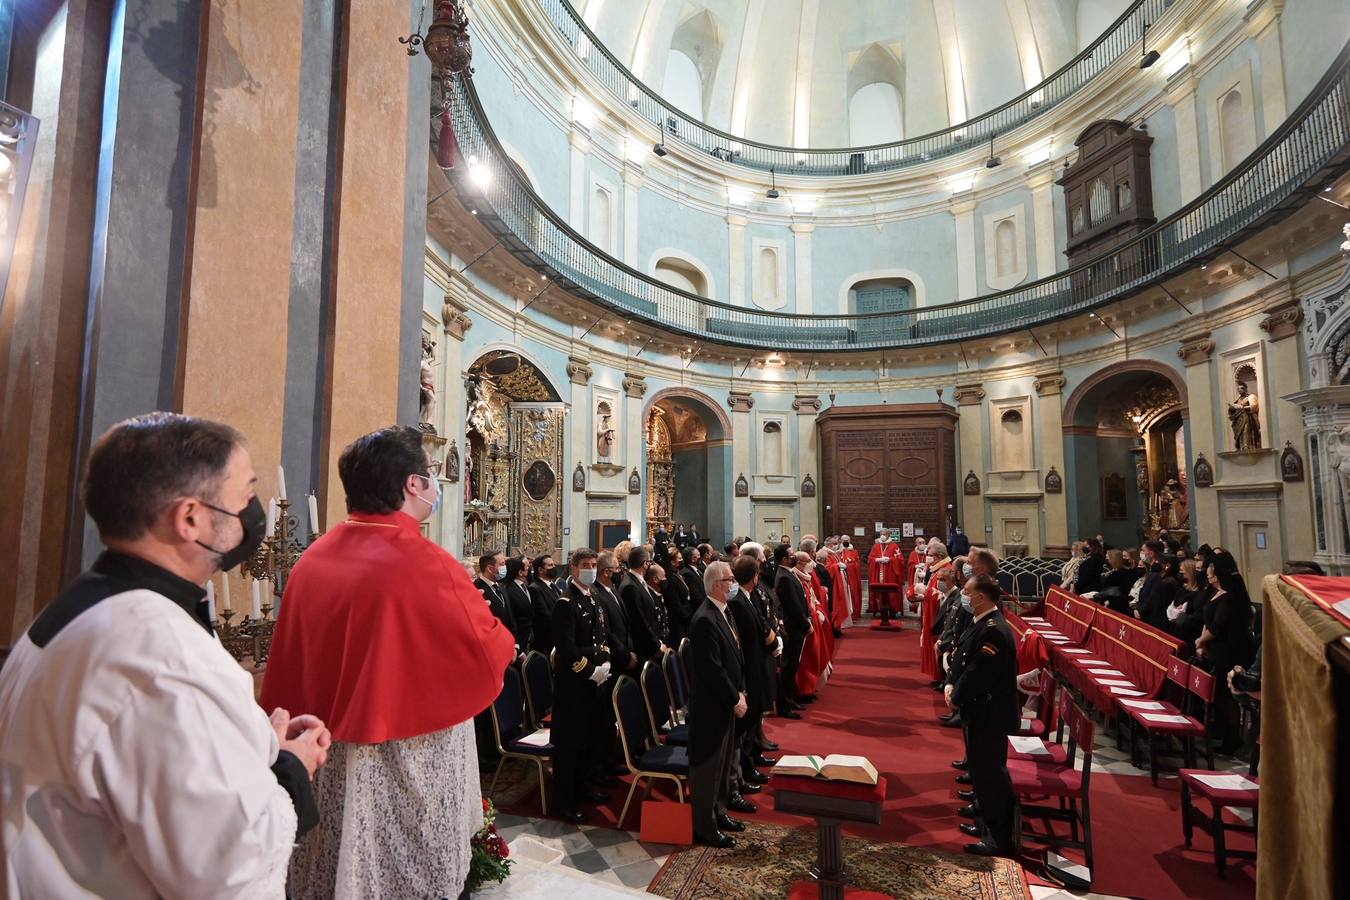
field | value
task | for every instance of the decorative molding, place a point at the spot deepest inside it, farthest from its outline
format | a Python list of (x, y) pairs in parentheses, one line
[(1283, 321), (806, 404), (1050, 384), (968, 395), (740, 401), (634, 385), (635, 482), (1291, 463), (1196, 350), (579, 478), (579, 371), (455, 322), (1053, 483)]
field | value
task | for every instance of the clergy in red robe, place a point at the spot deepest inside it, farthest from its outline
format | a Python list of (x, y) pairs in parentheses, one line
[(916, 572), (936, 561), (816, 651), (834, 564), (853, 565), (382, 634), (885, 566)]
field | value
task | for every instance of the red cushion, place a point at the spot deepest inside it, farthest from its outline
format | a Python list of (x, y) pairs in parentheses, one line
[(1059, 754), (1244, 798), (846, 790), (1040, 779)]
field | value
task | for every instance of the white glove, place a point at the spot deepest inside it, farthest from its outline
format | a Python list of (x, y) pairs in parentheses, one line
[(601, 673), (1174, 612), (778, 650)]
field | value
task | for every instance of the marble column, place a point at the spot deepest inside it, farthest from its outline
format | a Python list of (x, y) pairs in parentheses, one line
[(1195, 353), (1281, 325), (970, 407), (742, 514), (1181, 97), (1049, 389), (801, 232), (736, 260), (632, 182), (966, 283), (808, 463), (1041, 180), (635, 452), (1263, 25), (579, 373)]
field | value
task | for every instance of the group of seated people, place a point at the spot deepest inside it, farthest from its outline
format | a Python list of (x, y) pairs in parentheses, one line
[(613, 611)]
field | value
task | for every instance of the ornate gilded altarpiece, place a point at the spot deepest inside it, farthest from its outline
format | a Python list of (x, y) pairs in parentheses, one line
[(660, 472)]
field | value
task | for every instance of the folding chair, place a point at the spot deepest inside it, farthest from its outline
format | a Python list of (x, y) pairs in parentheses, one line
[(538, 687), (1247, 795), (1025, 585), (1045, 716), (676, 683), (1171, 721), (1069, 785), (659, 713), (642, 759), (1005, 581), (508, 723)]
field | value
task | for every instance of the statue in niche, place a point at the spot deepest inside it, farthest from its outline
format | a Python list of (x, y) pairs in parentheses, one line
[(662, 507), (480, 417), (604, 436), (452, 466), (426, 407), (1338, 451), (470, 480), (1172, 505), (1242, 415)]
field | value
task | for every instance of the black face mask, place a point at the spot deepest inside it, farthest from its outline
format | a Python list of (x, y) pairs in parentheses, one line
[(254, 520)]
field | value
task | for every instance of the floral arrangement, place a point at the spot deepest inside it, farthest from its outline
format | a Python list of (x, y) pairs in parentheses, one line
[(488, 852)]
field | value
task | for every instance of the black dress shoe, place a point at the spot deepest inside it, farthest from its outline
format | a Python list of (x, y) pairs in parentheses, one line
[(750, 788), (960, 764), (968, 796), (935, 685), (717, 839), (952, 721), (790, 714), (595, 797), (974, 831), (768, 747), (805, 698), (755, 777), (737, 803), (983, 849), (969, 811), (798, 706), (575, 817), (963, 778), (727, 823), (763, 761)]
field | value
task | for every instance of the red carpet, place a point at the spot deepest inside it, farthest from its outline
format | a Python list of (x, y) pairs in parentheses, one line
[(877, 704)]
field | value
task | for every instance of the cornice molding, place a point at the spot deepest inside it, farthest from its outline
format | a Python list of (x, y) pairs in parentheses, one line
[(634, 385), (740, 401)]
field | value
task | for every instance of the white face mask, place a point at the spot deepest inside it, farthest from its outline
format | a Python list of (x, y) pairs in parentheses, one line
[(967, 570), (733, 591), (586, 577), (501, 572)]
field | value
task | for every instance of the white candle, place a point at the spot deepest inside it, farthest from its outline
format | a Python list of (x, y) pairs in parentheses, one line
[(271, 516), (281, 482), (257, 600), (211, 602), (313, 514), (225, 589)]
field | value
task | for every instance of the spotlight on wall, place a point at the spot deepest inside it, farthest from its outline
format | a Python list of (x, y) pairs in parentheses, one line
[(993, 162), (772, 193), (1150, 56), (659, 149)]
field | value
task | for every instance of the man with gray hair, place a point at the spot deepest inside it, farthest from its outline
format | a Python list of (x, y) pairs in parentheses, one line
[(716, 699)]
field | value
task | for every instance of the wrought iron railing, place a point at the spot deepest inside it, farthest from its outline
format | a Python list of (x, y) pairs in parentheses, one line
[(1310, 148), (592, 54)]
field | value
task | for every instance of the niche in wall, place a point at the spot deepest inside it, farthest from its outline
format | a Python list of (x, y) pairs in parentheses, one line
[(1005, 248), (769, 274)]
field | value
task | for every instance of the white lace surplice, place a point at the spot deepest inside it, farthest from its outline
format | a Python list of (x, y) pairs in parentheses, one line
[(395, 819)]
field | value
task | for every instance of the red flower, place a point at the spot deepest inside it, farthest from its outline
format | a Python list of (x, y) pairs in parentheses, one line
[(487, 804)]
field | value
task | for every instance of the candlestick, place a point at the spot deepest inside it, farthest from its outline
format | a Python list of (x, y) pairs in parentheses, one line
[(281, 482), (313, 514), (256, 613), (225, 590), (211, 601)]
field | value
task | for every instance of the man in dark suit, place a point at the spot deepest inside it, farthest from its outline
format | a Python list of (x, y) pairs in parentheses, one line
[(766, 603), (986, 694), (797, 622), (644, 620), (491, 569), (716, 700), (543, 597), (623, 661), (693, 578), (951, 602), (518, 600), (758, 641)]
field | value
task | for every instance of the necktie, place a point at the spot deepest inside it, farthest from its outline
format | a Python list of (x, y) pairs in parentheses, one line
[(731, 625)]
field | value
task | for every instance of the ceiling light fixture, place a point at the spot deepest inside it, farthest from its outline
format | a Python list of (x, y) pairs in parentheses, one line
[(772, 192), (993, 162), (1149, 56), (659, 148)]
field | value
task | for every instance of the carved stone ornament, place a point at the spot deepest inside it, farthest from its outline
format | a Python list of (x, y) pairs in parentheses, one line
[(968, 395), (740, 401), (578, 370), (579, 478), (1054, 484), (806, 404), (972, 484), (452, 464), (1282, 321), (634, 385), (1291, 463), (1196, 350), (1204, 472), (1050, 384), (635, 482), (742, 486), (808, 485)]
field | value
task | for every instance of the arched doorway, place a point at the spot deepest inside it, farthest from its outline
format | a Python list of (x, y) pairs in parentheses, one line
[(1126, 455), (688, 460)]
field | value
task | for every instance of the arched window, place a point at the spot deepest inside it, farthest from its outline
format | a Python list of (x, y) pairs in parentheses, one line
[(602, 219), (1012, 441), (1005, 248), (771, 449), (875, 115), (1235, 129), (680, 274), (683, 84)]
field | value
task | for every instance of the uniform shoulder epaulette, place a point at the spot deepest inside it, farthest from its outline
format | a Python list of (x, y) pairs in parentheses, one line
[(579, 666), (989, 622)]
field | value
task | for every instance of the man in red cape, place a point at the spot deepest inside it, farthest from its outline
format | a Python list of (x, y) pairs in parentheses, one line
[(843, 591), (820, 642), (382, 634), (853, 564), (890, 572), (936, 560), (916, 576)]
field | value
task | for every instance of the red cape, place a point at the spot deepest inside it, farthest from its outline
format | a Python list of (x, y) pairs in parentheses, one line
[(927, 642), (382, 635), (892, 572), (839, 574), (853, 565), (819, 644)]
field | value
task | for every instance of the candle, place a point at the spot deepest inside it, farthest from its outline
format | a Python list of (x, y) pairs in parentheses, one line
[(281, 482), (256, 612), (211, 602), (313, 514), (271, 516), (225, 589)]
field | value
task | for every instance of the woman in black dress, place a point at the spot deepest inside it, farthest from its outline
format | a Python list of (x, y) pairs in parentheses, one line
[(1186, 614), (1226, 641), (675, 592)]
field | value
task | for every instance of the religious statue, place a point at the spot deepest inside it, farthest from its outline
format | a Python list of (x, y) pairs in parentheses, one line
[(604, 438), (1242, 415), (470, 480), (1338, 451), (427, 401), (480, 417), (662, 507), (1172, 505), (452, 465)]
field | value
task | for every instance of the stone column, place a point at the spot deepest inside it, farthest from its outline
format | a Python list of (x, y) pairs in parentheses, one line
[(970, 406), (1263, 25), (808, 463), (736, 260), (1195, 353), (634, 452), (455, 322), (802, 251), (1285, 419), (1041, 180), (1181, 97), (579, 426), (1050, 389), (740, 402), (966, 283), (632, 181), (579, 144)]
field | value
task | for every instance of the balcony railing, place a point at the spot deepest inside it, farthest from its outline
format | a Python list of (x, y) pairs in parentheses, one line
[(1309, 149), (675, 124)]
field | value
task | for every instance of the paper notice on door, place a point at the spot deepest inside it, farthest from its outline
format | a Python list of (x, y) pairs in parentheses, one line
[(1032, 746)]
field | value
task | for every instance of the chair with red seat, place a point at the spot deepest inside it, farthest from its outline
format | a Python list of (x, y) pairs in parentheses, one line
[(1209, 785), (1186, 723), (1068, 782), (1044, 751), (1044, 720)]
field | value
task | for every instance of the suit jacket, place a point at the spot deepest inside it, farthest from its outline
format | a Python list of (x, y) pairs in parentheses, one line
[(716, 675), (791, 594), (616, 620), (679, 607), (578, 623), (518, 601), (496, 600), (645, 621), (543, 598), (753, 631), (953, 599), (693, 580), (986, 689)]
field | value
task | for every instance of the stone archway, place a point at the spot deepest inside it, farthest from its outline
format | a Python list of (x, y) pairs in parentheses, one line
[(688, 463)]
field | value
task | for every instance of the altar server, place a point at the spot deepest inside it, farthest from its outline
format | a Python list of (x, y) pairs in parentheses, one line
[(383, 635), (134, 761)]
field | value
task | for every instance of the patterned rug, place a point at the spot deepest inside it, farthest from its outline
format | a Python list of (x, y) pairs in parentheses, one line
[(768, 858), (517, 785)]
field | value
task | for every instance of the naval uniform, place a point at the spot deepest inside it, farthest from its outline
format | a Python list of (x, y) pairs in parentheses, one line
[(580, 631), (985, 691)]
